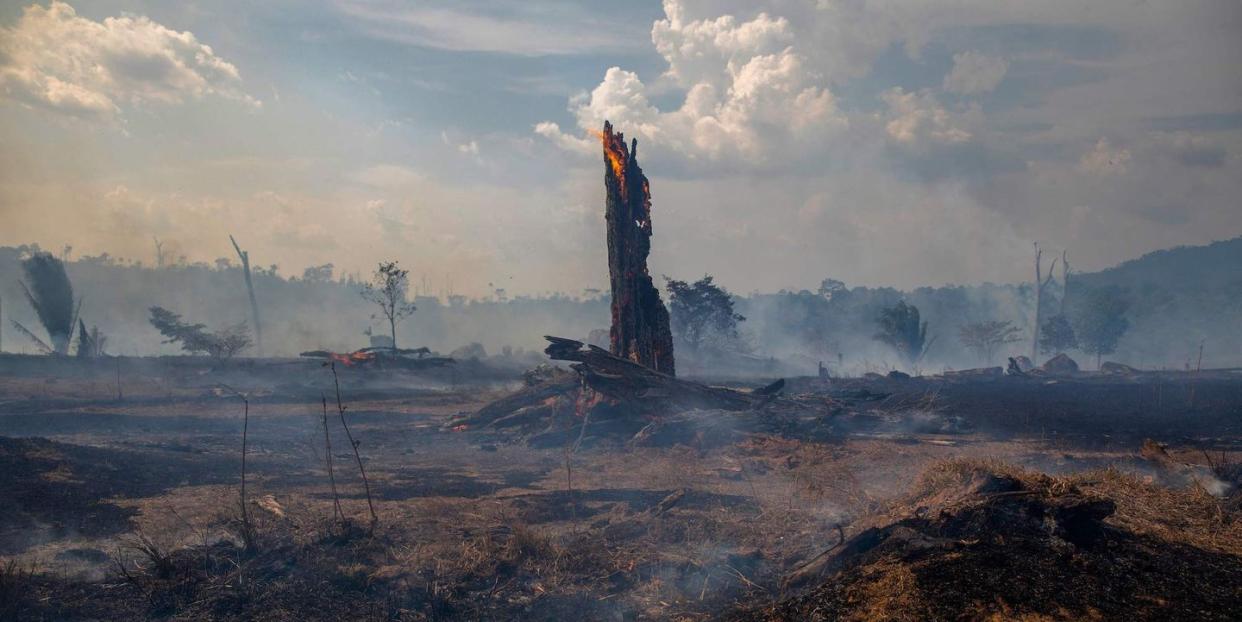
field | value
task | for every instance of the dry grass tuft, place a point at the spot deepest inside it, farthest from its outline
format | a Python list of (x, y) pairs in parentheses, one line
[(985, 540)]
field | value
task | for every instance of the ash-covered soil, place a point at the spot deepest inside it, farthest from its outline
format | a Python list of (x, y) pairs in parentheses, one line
[(998, 499)]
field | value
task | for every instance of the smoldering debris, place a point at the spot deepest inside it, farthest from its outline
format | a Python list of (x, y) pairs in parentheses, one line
[(609, 397), (383, 357)]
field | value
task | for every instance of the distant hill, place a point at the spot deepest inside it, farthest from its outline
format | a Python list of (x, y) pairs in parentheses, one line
[(1180, 298), (1217, 265)]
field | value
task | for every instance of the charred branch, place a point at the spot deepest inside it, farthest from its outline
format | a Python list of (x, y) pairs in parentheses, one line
[(254, 304)]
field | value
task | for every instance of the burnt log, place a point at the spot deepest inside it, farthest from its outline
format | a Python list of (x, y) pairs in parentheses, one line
[(381, 358), (531, 397), (705, 429), (646, 389), (640, 323)]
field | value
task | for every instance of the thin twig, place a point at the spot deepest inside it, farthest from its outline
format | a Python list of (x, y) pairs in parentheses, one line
[(245, 512), (357, 456), (840, 541), (337, 514), (247, 533)]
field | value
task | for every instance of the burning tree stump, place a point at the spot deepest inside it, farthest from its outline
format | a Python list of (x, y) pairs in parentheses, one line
[(640, 324), (621, 389)]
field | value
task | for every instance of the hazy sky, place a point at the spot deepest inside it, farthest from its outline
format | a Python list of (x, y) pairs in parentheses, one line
[(897, 142)]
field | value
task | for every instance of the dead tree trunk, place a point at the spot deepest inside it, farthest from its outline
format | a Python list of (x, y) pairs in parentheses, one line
[(1065, 272), (254, 305), (1041, 284), (159, 253), (640, 323)]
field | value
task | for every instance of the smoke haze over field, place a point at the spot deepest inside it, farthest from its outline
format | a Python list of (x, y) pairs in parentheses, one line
[(898, 144), (1174, 305)]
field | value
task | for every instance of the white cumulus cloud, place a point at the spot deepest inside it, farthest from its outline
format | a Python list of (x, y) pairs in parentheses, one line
[(916, 118), (975, 73), (750, 94), (54, 59)]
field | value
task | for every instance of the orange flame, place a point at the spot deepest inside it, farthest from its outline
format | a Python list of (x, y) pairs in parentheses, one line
[(587, 399), (351, 359), (614, 150)]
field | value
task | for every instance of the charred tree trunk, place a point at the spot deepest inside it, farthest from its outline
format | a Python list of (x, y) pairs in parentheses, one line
[(254, 305), (1041, 284), (640, 323)]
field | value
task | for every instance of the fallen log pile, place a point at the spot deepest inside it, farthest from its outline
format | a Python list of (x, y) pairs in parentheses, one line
[(609, 397), (647, 390)]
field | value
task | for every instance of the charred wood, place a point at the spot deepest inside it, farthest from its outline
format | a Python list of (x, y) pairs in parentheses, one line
[(528, 397), (382, 357), (648, 390), (640, 322)]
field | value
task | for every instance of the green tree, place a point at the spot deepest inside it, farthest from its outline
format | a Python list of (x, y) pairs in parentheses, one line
[(900, 328), (194, 338), (48, 291), (983, 338), (387, 290), (1057, 335), (701, 312), (1100, 321), (318, 274)]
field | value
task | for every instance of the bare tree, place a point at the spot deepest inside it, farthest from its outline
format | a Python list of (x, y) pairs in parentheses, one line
[(1041, 284), (254, 305), (985, 337), (387, 290), (1065, 272), (159, 253)]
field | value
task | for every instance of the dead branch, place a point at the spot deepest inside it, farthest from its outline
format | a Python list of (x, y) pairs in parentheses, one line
[(337, 514), (254, 305), (353, 443), (814, 566), (247, 528)]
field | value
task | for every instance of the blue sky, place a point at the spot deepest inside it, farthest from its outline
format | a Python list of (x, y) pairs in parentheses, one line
[(896, 143)]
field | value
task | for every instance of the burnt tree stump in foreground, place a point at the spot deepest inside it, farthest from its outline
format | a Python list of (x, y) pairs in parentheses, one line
[(640, 323)]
